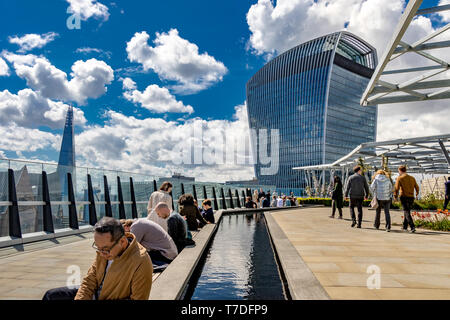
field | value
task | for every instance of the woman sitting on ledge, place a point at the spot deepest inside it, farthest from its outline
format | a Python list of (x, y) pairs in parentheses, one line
[(191, 212)]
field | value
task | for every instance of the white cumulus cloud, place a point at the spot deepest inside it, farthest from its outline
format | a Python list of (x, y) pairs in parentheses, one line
[(150, 145), (89, 78), (88, 8), (154, 98), (176, 59), (30, 110), (31, 41), (4, 69)]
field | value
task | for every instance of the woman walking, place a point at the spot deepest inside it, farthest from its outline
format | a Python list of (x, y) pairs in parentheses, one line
[(381, 188), (337, 197)]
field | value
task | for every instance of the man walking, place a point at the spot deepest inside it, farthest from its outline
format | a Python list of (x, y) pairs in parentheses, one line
[(358, 189), (447, 193), (406, 185)]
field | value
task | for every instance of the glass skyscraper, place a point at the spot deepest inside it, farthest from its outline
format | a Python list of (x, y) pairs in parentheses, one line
[(311, 94)]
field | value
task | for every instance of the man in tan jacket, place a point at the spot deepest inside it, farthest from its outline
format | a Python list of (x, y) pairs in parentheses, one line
[(121, 270), (406, 184)]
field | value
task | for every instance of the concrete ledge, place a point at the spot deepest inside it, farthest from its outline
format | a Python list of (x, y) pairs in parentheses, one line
[(42, 236), (172, 282), (302, 284)]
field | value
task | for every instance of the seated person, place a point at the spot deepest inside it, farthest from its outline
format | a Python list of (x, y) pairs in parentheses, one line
[(160, 216), (207, 212), (120, 256), (176, 228), (273, 204), (250, 204), (158, 243), (265, 202), (191, 212)]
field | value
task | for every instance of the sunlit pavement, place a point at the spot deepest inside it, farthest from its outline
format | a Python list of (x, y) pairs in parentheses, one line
[(412, 266)]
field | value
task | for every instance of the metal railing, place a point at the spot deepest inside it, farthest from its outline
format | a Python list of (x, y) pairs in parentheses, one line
[(44, 197)]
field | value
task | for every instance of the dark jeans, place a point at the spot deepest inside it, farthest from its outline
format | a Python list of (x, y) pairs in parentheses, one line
[(62, 293), (386, 204), (447, 199), (407, 203), (356, 203), (156, 255), (334, 206)]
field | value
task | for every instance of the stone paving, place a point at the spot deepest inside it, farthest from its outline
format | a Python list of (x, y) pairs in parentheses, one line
[(412, 266)]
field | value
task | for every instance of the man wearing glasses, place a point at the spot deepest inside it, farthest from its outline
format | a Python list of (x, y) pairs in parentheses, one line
[(121, 270)]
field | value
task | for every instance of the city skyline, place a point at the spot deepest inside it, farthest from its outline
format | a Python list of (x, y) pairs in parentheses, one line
[(136, 92)]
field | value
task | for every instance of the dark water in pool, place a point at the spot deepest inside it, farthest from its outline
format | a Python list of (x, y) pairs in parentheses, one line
[(240, 263)]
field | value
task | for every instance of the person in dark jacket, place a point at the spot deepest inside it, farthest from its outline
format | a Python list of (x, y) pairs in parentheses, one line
[(447, 193), (177, 229), (191, 212), (208, 213), (266, 201), (337, 197), (358, 189), (249, 204)]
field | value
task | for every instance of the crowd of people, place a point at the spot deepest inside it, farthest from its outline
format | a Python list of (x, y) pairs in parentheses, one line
[(129, 250), (384, 192), (263, 199)]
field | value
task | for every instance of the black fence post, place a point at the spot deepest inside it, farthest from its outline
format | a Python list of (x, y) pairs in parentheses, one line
[(108, 210), (171, 196), (194, 191), (243, 196), (216, 207), (155, 188), (236, 192), (249, 192), (231, 198), (13, 209), (224, 203), (182, 188), (92, 211), (205, 195), (47, 209), (73, 219), (121, 204), (134, 213)]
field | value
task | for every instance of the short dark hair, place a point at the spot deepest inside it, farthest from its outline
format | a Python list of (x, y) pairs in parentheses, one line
[(356, 169), (207, 202), (402, 168), (165, 186), (111, 226)]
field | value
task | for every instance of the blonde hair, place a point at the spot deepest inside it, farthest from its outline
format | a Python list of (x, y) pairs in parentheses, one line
[(379, 172)]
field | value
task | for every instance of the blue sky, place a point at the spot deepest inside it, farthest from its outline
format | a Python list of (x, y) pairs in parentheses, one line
[(237, 36)]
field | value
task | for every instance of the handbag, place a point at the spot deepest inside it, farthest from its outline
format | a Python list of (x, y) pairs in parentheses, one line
[(374, 203)]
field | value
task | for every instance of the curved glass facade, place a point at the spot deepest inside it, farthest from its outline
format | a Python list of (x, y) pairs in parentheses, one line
[(311, 94)]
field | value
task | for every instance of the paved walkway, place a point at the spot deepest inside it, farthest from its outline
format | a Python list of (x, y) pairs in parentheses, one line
[(412, 266), (28, 275)]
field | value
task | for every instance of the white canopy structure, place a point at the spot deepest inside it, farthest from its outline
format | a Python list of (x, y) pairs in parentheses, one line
[(408, 85), (426, 155)]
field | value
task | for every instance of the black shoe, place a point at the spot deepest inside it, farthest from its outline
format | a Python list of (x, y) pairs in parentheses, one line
[(340, 217), (353, 224), (332, 216), (388, 230), (376, 227), (359, 226)]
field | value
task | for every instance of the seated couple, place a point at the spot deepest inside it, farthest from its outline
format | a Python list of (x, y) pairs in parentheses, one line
[(194, 218)]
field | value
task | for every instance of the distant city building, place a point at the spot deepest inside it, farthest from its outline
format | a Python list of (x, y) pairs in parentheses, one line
[(311, 94)]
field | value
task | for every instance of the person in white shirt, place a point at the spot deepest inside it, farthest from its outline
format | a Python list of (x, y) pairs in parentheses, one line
[(279, 202), (160, 214)]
